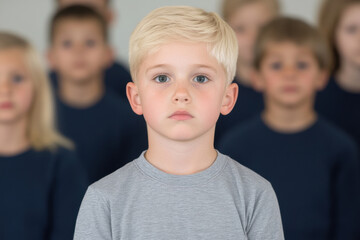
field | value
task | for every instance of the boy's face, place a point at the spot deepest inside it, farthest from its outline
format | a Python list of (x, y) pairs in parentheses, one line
[(348, 35), (79, 51), (246, 21), (181, 90), (16, 86), (289, 75)]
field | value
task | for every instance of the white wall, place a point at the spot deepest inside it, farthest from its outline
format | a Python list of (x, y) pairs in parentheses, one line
[(30, 17)]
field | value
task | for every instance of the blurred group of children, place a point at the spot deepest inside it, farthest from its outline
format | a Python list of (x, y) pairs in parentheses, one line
[(61, 133)]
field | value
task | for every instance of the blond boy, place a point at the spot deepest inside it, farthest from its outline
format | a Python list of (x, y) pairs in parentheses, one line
[(182, 60)]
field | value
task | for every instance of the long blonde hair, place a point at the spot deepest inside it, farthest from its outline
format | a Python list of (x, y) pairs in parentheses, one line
[(40, 131)]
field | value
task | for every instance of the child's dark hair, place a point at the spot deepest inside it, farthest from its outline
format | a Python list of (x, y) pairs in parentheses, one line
[(77, 12), (286, 29)]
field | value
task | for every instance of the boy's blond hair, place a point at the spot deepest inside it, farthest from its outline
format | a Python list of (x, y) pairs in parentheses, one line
[(286, 29), (329, 17), (183, 23), (229, 7), (41, 128)]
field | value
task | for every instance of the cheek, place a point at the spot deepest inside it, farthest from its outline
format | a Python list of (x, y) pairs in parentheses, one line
[(26, 96)]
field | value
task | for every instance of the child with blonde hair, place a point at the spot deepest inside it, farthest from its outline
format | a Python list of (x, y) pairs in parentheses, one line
[(41, 180), (339, 22), (182, 61), (246, 17)]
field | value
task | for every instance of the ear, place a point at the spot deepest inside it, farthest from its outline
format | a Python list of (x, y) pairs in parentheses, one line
[(50, 57), (229, 99), (109, 56), (257, 81), (110, 16), (322, 80), (132, 93)]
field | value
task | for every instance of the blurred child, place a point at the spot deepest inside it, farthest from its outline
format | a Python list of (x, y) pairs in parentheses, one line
[(116, 75), (41, 181), (340, 101), (246, 17), (182, 60), (311, 163), (100, 122)]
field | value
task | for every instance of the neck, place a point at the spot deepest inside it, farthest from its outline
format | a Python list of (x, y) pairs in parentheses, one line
[(181, 157), (289, 120), (348, 78), (81, 94), (13, 138), (243, 74)]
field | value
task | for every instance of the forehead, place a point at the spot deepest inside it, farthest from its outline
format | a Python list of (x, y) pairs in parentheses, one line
[(351, 13), (75, 25), (253, 12), (287, 48)]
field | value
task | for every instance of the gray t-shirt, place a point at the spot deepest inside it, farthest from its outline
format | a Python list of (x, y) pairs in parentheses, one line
[(138, 201)]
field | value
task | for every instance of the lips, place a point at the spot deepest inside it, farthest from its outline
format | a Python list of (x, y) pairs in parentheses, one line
[(6, 105), (181, 116)]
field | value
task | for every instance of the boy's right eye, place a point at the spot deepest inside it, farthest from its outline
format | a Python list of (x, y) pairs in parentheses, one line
[(17, 78), (66, 43), (275, 65), (162, 79)]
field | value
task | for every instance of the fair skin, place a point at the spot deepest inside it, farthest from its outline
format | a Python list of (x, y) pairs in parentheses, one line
[(246, 22), (289, 76), (347, 39), (16, 94), (79, 54), (181, 96), (101, 6)]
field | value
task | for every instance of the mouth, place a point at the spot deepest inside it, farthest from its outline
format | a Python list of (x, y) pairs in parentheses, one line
[(6, 105), (181, 116), (290, 89)]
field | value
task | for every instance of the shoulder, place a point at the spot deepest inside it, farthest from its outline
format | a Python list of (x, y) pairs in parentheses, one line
[(118, 182), (248, 180)]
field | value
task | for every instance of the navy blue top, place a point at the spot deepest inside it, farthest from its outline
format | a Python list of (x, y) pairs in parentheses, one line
[(248, 104), (107, 135), (41, 192), (116, 78), (313, 172), (340, 107)]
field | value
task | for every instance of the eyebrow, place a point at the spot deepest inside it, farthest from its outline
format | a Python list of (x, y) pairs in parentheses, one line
[(195, 66)]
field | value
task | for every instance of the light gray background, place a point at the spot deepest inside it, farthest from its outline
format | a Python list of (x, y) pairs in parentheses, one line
[(30, 17)]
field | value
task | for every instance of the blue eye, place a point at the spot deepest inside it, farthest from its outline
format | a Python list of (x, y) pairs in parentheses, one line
[(17, 78), (66, 44), (90, 43), (275, 65), (201, 79), (162, 79), (302, 65)]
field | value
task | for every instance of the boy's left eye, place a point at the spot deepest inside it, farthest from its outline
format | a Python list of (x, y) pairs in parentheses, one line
[(302, 65), (162, 79), (90, 42), (17, 78), (201, 79)]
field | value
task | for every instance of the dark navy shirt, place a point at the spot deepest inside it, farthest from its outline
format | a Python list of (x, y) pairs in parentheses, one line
[(248, 104), (313, 172), (116, 78), (340, 107), (107, 135), (41, 192)]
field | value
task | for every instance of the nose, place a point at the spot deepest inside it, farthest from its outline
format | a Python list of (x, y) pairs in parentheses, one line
[(181, 95)]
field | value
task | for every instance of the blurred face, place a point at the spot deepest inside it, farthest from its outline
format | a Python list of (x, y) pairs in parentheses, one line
[(246, 22), (181, 90), (79, 51), (289, 75), (348, 36), (16, 86)]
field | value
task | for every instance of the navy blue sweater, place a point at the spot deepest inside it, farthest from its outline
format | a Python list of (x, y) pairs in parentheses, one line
[(41, 192), (340, 107), (313, 172), (107, 135), (248, 104), (116, 77)]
